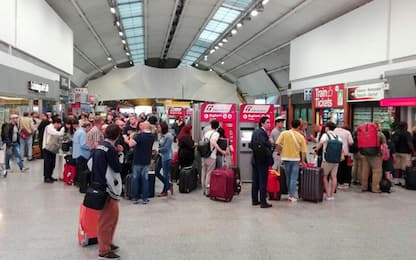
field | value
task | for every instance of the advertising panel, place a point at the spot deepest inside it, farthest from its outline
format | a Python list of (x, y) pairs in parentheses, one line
[(370, 92), (226, 114), (331, 96)]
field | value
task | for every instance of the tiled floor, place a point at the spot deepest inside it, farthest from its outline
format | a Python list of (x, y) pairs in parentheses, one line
[(39, 221)]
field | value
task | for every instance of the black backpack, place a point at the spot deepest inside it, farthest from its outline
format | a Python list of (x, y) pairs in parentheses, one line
[(3, 133), (204, 147)]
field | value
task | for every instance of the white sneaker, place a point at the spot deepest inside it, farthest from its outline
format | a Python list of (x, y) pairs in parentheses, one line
[(4, 173), (292, 199), (330, 198)]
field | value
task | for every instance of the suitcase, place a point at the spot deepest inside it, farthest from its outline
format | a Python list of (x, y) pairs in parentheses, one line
[(69, 174), (88, 226), (410, 178), (237, 180), (222, 184), (84, 178), (127, 186), (187, 179), (311, 187), (282, 180), (36, 152), (273, 185)]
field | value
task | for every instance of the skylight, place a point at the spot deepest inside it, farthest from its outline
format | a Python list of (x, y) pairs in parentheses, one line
[(225, 16), (131, 16)]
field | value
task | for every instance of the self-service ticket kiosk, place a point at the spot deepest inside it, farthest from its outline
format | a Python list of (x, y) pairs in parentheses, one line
[(250, 115), (225, 114)]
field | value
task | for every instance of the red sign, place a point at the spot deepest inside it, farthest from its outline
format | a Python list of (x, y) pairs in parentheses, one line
[(227, 116), (253, 113), (188, 111), (398, 102), (175, 111), (331, 96)]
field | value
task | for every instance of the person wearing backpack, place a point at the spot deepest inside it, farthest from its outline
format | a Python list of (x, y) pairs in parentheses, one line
[(332, 152), (345, 166), (209, 159)]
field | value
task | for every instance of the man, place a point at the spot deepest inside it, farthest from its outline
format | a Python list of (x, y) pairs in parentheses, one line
[(80, 148), (95, 135), (403, 144), (260, 163), (292, 147), (26, 132), (131, 124), (344, 171), (52, 136), (279, 122), (122, 149), (142, 155), (12, 143), (41, 129), (208, 164), (329, 168)]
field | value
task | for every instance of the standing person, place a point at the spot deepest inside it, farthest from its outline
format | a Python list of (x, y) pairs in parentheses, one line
[(225, 145), (292, 147), (279, 123), (186, 147), (122, 149), (260, 163), (41, 129), (403, 144), (344, 170), (142, 155), (165, 157), (104, 157), (26, 132), (208, 164), (95, 135), (388, 167), (12, 143), (330, 168), (80, 149), (51, 136)]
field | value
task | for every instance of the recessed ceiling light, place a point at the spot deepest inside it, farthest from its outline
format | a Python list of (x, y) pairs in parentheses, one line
[(120, 33), (112, 10), (115, 67), (123, 41), (118, 23), (239, 25), (234, 31), (128, 54), (222, 62), (109, 58), (131, 62), (254, 13), (210, 69), (220, 44), (265, 2), (216, 47), (205, 57), (196, 65), (224, 40), (212, 51)]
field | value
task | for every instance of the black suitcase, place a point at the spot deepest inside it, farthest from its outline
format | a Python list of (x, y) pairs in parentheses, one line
[(84, 179), (282, 179), (237, 180), (410, 178), (311, 186), (187, 179), (127, 186)]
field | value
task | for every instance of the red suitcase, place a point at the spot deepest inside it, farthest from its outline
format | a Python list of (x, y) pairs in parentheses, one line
[(69, 174), (222, 184), (273, 185), (88, 226)]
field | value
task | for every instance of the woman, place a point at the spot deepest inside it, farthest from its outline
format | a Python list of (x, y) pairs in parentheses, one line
[(105, 155), (165, 156), (222, 142), (186, 152)]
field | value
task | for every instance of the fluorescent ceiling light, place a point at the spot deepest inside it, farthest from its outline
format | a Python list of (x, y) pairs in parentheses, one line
[(254, 13), (118, 23), (239, 25), (11, 98), (234, 31), (112, 10)]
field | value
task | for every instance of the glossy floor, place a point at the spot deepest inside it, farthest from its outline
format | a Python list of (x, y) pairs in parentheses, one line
[(39, 221)]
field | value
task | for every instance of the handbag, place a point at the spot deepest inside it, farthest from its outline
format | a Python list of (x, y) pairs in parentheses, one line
[(96, 196), (54, 144), (24, 133)]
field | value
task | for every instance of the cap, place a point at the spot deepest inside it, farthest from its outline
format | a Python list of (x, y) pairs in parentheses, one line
[(12, 116), (280, 118)]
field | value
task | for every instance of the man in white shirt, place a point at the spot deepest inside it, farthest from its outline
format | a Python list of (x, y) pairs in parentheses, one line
[(344, 171), (279, 123), (208, 164)]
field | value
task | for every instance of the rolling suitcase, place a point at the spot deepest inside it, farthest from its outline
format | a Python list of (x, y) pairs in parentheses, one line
[(410, 178), (273, 185), (69, 174), (222, 184), (88, 226), (36, 152), (311, 187), (282, 180), (187, 179), (237, 180), (127, 186)]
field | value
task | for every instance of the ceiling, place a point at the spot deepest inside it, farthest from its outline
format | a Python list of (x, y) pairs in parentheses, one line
[(171, 27)]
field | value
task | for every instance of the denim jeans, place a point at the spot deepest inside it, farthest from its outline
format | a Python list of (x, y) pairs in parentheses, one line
[(142, 172), (292, 173), (26, 144), (165, 179), (15, 151)]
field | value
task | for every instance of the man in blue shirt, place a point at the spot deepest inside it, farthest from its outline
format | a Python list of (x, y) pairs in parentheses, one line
[(80, 149)]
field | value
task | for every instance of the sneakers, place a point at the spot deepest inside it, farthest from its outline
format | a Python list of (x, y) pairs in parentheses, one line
[(265, 206), (330, 198), (48, 180), (144, 202), (109, 255), (292, 199), (114, 248), (135, 201), (4, 173), (24, 169), (162, 194)]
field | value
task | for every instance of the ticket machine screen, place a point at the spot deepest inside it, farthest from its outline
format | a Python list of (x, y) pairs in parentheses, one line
[(246, 135)]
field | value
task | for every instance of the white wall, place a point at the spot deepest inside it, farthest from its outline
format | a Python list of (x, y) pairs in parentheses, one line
[(257, 84), (42, 34), (8, 25), (142, 81), (403, 27)]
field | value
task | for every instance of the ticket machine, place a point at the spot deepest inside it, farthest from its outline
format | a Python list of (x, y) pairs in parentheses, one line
[(250, 115)]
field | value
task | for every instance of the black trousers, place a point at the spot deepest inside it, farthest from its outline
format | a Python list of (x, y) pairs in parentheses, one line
[(344, 172), (260, 172), (81, 166), (49, 161)]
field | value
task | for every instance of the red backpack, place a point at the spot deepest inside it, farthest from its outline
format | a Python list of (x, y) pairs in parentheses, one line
[(368, 139)]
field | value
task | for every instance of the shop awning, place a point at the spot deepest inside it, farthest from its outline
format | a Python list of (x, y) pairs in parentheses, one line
[(398, 102)]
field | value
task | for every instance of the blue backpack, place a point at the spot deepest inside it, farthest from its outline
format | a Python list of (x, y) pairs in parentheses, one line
[(333, 149)]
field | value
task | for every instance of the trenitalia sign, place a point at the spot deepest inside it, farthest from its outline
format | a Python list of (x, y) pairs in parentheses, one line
[(253, 112)]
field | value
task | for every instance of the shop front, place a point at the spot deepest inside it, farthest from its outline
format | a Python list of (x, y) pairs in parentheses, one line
[(296, 106), (328, 104), (364, 101)]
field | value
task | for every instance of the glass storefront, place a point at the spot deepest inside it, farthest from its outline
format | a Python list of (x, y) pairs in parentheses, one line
[(10, 106)]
